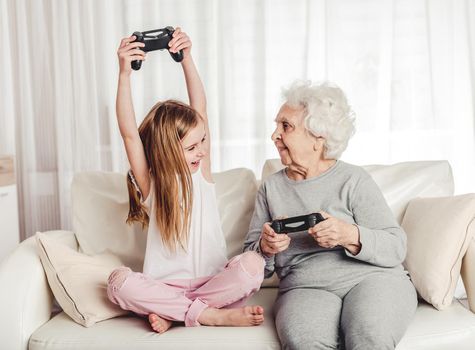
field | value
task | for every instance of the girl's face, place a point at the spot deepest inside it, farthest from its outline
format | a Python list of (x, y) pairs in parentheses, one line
[(193, 148)]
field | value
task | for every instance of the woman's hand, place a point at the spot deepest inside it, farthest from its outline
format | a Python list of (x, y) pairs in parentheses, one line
[(272, 243), (180, 41), (333, 232), (129, 51)]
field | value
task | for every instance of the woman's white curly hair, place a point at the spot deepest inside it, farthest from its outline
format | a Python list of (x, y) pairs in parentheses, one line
[(328, 114)]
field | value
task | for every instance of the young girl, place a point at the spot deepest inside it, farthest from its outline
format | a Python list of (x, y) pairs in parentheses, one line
[(186, 276)]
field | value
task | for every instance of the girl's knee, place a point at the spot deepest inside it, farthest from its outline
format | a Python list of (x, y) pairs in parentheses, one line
[(252, 263), (115, 282)]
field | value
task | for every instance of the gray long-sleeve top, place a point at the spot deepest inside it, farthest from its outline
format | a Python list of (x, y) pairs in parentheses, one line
[(344, 191)]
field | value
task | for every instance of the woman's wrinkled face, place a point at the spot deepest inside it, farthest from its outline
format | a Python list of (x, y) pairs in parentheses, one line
[(295, 144)]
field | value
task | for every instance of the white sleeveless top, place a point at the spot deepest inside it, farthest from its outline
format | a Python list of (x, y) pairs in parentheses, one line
[(206, 253)]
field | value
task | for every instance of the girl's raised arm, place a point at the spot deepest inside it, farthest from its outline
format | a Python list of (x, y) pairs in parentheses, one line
[(127, 52), (196, 92)]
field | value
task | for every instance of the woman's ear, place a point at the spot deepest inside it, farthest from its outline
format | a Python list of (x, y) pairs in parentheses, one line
[(318, 144)]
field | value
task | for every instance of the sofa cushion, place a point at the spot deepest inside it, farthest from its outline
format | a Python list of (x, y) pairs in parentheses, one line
[(400, 182), (438, 236), (125, 333), (454, 328), (78, 281)]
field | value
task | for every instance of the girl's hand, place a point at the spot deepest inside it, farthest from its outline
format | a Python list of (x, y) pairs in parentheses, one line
[(272, 243), (180, 41), (129, 51), (333, 232)]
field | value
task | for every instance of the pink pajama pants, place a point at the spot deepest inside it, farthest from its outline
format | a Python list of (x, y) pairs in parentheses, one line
[(185, 299)]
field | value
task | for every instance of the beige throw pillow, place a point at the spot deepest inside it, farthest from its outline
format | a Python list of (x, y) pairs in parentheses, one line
[(78, 281), (438, 235)]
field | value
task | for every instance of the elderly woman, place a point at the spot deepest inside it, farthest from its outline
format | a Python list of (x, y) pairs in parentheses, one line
[(341, 281)]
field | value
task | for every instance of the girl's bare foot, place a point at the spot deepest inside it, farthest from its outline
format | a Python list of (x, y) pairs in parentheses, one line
[(159, 325), (241, 317)]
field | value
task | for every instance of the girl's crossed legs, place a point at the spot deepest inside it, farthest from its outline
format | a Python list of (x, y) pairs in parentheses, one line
[(214, 300)]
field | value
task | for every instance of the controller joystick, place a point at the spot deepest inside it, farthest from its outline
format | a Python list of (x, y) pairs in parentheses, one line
[(296, 223), (156, 39)]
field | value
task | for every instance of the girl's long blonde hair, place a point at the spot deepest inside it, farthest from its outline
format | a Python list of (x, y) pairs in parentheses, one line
[(161, 131)]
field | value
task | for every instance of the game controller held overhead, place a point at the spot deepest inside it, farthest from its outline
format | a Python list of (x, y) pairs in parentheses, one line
[(156, 39), (296, 223)]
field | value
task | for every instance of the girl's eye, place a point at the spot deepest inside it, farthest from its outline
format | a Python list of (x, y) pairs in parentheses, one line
[(191, 148), (203, 140)]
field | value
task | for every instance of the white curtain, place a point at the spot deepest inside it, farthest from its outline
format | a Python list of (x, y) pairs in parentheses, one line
[(407, 66)]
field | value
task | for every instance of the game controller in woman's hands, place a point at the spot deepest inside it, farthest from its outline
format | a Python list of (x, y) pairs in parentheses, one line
[(156, 39), (296, 223)]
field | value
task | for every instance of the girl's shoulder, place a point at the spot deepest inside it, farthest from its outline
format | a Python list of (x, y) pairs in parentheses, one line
[(198, 177)]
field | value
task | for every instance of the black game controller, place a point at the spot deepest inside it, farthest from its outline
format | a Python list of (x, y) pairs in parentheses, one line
[(156, 39), (288, 225)]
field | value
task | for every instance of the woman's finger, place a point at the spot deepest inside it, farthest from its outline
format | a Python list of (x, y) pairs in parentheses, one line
[(276, 238), (267, 228), (281, 245), (320, 226)]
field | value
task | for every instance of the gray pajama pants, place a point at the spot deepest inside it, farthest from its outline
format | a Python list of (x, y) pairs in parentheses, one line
[(331, 301)]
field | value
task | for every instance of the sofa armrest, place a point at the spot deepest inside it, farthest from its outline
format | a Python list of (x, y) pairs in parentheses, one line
[(468, 270), (25, 297)]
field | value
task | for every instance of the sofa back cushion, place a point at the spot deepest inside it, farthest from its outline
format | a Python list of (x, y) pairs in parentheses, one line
[(100, 206), (400, 182)]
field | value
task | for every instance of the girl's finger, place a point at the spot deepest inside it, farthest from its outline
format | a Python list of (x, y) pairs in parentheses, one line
[(177, 31), (179, 42), (134, 52), (130, 47), (137, 57), (176, 36), (125, 41), (134, 44), (181, 47)]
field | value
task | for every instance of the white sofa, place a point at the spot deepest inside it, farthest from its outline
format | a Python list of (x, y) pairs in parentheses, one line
[(99, 198)]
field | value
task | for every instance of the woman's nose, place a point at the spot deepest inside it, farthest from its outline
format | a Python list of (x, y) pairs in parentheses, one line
[(275, 135)]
